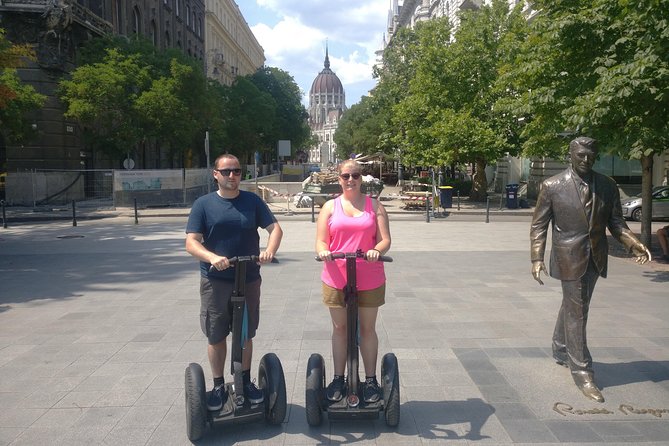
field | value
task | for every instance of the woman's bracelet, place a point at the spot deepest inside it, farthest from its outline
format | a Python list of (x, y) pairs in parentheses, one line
[(380, 253)]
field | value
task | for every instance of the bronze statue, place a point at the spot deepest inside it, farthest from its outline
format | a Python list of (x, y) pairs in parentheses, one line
[(580, 203)]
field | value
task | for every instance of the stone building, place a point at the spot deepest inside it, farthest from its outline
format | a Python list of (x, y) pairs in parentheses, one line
[(57, 29), (231, 49), (327, 103)]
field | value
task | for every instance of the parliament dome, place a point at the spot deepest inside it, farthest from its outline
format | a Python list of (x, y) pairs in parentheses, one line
[(327, 81)]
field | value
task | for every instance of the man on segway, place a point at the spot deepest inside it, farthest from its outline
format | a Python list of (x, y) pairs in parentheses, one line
[(222, 225)]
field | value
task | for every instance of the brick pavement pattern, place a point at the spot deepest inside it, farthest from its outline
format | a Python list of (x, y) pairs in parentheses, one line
[(99, 321)]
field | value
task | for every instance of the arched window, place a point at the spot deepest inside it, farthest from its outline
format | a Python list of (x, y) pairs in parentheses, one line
[(154, 33), (168, 42), (136, 21), (187, 15), (119, 17)]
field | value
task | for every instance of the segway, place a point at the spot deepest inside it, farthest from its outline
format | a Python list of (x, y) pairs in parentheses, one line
[(236, 409), (352, 406)]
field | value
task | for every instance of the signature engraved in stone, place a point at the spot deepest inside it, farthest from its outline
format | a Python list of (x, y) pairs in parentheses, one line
[(628, 409), (564, 409)]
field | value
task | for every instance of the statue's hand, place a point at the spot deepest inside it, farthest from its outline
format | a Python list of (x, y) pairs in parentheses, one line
[(641, 253), (537, 267)]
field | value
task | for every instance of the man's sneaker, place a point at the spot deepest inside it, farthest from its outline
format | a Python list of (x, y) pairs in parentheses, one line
[(335, 390), (371, 393), (217, 397), (252, 393)]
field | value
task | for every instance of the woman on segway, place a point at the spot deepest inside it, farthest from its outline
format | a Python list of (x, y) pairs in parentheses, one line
[(353, 221)]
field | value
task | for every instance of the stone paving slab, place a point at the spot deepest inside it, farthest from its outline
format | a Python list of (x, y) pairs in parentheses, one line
[(99, 321)]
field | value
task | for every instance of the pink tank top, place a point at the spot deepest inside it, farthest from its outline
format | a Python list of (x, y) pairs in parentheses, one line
[(348, 234)]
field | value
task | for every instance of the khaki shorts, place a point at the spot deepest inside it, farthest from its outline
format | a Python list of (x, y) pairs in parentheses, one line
[(334, 298)]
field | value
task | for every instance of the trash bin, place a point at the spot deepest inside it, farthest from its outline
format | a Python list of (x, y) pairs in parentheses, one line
[(512, 196), (446, 196)]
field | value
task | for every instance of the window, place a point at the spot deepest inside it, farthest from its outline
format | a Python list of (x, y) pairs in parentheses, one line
[(136, 21), (154, 34), (187, 15)]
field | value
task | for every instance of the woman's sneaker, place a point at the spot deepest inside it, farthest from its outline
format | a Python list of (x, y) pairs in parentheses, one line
[(371, 393), (217, 397), (252, 393), (335, 390)]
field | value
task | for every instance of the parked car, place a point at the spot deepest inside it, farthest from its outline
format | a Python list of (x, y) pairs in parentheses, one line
[(632, 205)]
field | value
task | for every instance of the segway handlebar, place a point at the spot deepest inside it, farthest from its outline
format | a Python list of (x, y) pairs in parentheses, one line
[(358, 254), (234, 260)]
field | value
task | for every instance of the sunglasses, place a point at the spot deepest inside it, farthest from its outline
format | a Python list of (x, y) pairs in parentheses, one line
[(227, 172), (346, 176)]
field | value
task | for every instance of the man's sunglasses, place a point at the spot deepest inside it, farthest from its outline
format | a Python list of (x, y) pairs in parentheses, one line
[(227, 172), (346, 176)]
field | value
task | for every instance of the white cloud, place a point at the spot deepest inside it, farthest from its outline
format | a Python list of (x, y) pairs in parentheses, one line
[(295, 40)]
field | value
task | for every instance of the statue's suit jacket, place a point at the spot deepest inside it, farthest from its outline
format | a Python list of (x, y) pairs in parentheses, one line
[(575, 237)]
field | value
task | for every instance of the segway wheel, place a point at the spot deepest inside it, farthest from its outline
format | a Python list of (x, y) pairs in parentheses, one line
[(273, 385), (391, 389), (196, 402), (314, 389)]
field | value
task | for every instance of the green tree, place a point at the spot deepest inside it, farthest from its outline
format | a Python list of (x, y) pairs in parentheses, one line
[(598, 68), (101, 97), (290, 116), (396, 70), (165, 112), (17, 99), (359, 129), (448, 114), (250, 116)]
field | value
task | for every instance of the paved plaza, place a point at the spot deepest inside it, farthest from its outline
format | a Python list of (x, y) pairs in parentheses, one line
[(99, 321)]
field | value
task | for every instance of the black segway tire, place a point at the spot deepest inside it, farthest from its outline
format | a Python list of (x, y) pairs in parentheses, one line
[(390, 374), (273, 384), (314, 389), (196, 402)]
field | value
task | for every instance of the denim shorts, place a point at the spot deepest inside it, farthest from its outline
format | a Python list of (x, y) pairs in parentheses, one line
[(216, 308)]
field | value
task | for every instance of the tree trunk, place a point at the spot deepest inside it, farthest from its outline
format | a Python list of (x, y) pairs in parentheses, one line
[(647, 198), (479, 182)]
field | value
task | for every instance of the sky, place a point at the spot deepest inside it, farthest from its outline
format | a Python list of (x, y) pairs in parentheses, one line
[(293, 34)]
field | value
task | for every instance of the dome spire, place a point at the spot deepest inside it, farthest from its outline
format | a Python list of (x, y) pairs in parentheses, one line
[(327, 58)]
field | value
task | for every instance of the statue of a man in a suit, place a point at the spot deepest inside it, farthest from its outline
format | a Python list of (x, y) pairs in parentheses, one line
[(581, 204)]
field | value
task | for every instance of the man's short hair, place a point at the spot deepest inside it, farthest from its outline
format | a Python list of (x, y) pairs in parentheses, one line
[(583, 141)]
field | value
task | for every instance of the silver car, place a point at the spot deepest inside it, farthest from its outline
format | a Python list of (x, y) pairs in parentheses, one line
[(632, 205)]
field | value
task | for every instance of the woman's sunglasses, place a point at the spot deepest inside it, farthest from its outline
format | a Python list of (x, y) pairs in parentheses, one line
[(227, 172), (346, 176)]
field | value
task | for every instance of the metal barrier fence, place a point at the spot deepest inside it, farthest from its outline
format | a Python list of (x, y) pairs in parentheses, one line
[(40, 188)]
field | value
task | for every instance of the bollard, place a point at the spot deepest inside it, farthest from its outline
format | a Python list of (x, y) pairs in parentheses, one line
[(427, 209), (136, 219), (4, 216), (458, 199), (288, 212), (487, 210), (74, 214), (313, 218)]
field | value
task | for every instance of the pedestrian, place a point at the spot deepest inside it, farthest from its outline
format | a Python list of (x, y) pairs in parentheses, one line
[(580, 203), (663, 239), (221, 225), (351, 222)]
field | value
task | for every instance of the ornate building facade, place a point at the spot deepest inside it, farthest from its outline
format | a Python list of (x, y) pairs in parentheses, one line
[(231, 49), (327, 103), (56, 29)]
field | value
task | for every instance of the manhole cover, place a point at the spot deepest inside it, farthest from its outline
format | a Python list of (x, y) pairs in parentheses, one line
[(70, 236)]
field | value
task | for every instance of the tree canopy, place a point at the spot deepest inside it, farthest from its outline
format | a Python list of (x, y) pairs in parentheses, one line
[(127, 92), (17, 99), (598, 68)]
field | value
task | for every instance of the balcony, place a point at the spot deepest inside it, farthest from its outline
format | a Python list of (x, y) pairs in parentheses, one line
[(60, 13)]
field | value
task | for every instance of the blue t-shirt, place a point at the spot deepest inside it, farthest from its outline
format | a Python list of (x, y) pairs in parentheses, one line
[(230, 228)]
